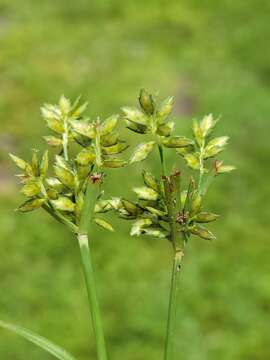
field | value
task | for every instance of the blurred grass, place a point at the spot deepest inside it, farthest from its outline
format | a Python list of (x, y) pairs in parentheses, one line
[(213, 56)]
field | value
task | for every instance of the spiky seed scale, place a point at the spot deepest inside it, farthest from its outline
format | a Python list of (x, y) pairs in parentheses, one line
[(202, 232), (109, 139), (196, 203), (31, 188), (54, 182), (44, 164), (154, 232), (207, 124), (141, 152), (150, 180), (55, 125), (165, 129), (146, 193), (35, 163), (192, 161), (65, 176), (52, 193), (147, 102), (197, 132), (177, 142), (135, 115), (85, 128), (60, 161), (31, 205), (166, 108), (205, 217), (64, 105), (130, 207), (137, 128), (85, 157), (19, 162), (64, 204), (52, 140), (138, 226), (103, 206), (104, 224), (115, 149), (155, 211), (108, 125), (114, 163), (78, 110)]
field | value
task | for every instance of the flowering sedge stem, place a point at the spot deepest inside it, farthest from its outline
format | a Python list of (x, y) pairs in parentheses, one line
[(169, 342), (90, 197)]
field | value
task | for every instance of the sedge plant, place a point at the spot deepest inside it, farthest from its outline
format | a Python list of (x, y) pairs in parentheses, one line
[(168, 206), (68, 191)]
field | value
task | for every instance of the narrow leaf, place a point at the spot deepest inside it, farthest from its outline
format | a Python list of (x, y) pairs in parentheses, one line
[(38, 340)]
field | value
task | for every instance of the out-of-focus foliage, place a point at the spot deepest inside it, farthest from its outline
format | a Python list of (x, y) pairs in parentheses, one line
[(213, 57)]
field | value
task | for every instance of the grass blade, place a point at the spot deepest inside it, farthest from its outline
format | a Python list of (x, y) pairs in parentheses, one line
[(40, 341)]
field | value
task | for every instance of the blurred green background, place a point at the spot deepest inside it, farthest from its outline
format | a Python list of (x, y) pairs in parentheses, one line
[(213, 56)]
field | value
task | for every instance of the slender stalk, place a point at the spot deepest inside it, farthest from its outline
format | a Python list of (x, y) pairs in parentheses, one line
[(169, 342), (162, 160), (89, 202), (172, 191), (58, 216), (92, 296)]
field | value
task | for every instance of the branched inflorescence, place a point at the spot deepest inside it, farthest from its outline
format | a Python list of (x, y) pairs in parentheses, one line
[(84, 148), (165, 209)]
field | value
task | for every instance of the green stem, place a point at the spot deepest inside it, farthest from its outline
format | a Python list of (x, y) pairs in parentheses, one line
[(162, 160), (58, 216), (92, 296), (170, 187), (170, 336), (89, 202)]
